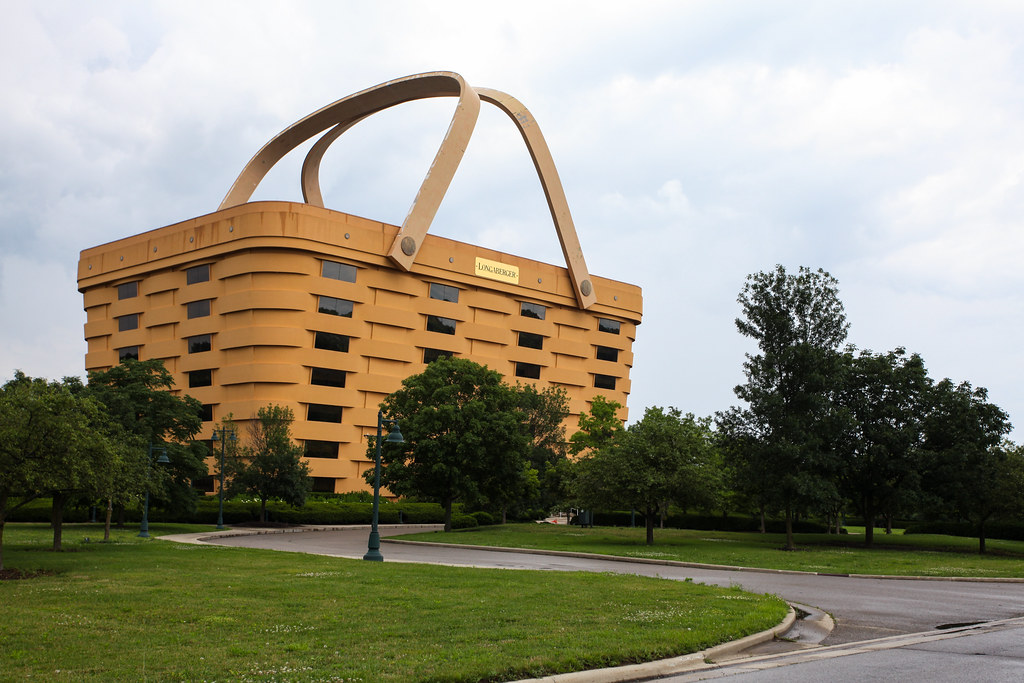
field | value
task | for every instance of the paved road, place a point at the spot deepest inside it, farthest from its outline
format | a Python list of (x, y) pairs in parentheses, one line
[(864, 609)]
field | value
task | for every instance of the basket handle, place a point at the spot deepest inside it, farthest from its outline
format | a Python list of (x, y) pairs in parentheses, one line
[(340, 116)]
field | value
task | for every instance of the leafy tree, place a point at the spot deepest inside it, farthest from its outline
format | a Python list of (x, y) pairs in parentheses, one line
[(464, 436), (598, 427), (271, 465), (966, 466), (884, 395), (544, 414), (666, 456), (53, 442), (137, 395), (790, 423)]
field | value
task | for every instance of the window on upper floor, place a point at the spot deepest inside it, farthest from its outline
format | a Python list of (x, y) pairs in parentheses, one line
[(128, 322), (200, 378), (607, 353), (436, 323), (530, 340), (128, 352), (430, 355), (609, 326), (197, 274), (199, 343), (332, 306), (321, 449), (319, 412), (128, 290), (206, 412), (197, 309), (444, 292), (528, 370), (339, 271), (327, 377), (531, 310), (604, 381), (330, 342)]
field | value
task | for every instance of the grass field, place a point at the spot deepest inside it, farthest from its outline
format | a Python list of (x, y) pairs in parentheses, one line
[(916, 555), (135, 609)]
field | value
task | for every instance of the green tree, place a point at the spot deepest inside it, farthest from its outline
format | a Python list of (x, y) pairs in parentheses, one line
[(464, 436), (790, 422), (137, 395), (598, 427), (885, 398), (664, 457), (271, 466), (966, 466), (544, 412), (53, 442)]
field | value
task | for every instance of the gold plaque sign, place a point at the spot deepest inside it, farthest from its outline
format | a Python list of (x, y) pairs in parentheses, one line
[(493, 270)]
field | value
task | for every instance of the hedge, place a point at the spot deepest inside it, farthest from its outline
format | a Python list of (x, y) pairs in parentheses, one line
[(710, 522), (1006, 531)]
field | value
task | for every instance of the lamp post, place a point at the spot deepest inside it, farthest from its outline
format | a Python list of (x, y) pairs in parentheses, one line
[(162, 460), (394, 436), (223, 435)]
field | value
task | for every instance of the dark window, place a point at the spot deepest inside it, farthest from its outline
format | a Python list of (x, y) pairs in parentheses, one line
[(327, 377), (128, 290), (321, 449), (128, 352), (198, 343), (330, 342), (436, 323), (532, 310), (604, 381), (318, 412), (528, 370), (323, 484), (531, 341), (200, 378), (204, 484), (606, 325), (128, 322), (332, 306), (339, 271), (198, 309), (430, 355), (607, 353), (206, 412), (444, 292), (197, 274)]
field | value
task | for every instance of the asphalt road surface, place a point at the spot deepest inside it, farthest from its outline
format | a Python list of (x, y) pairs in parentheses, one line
[(882, 610)]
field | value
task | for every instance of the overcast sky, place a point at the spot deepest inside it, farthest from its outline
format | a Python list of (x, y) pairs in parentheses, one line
[(698, 142)]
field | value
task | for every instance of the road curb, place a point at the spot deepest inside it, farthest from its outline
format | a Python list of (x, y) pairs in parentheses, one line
[(698, 565), (674, 665)]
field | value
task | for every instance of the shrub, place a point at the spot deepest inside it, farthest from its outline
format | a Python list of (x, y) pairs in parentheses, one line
[(482, 518), (464, 522)]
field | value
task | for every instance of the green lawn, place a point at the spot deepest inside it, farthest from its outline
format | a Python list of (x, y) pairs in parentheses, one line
[(915, 555), (136, 609)]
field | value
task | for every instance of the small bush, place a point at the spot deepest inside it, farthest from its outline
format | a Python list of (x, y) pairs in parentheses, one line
[(482, 518), (464, 522)]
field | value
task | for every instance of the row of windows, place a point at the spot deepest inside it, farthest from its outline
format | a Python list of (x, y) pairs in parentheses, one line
[(130, 290)]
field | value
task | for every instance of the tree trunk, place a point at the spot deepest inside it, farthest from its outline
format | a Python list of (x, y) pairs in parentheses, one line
[(649, 520), (57, 519), (762, 520), (263, 509), (504, 515), (3, 522), (106, 524), (789, 529), (869, 524), (662, 514), (448, 515), (981, 537), (888, 524)]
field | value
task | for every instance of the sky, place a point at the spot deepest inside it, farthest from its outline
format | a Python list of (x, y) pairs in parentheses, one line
[(698, 142)]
